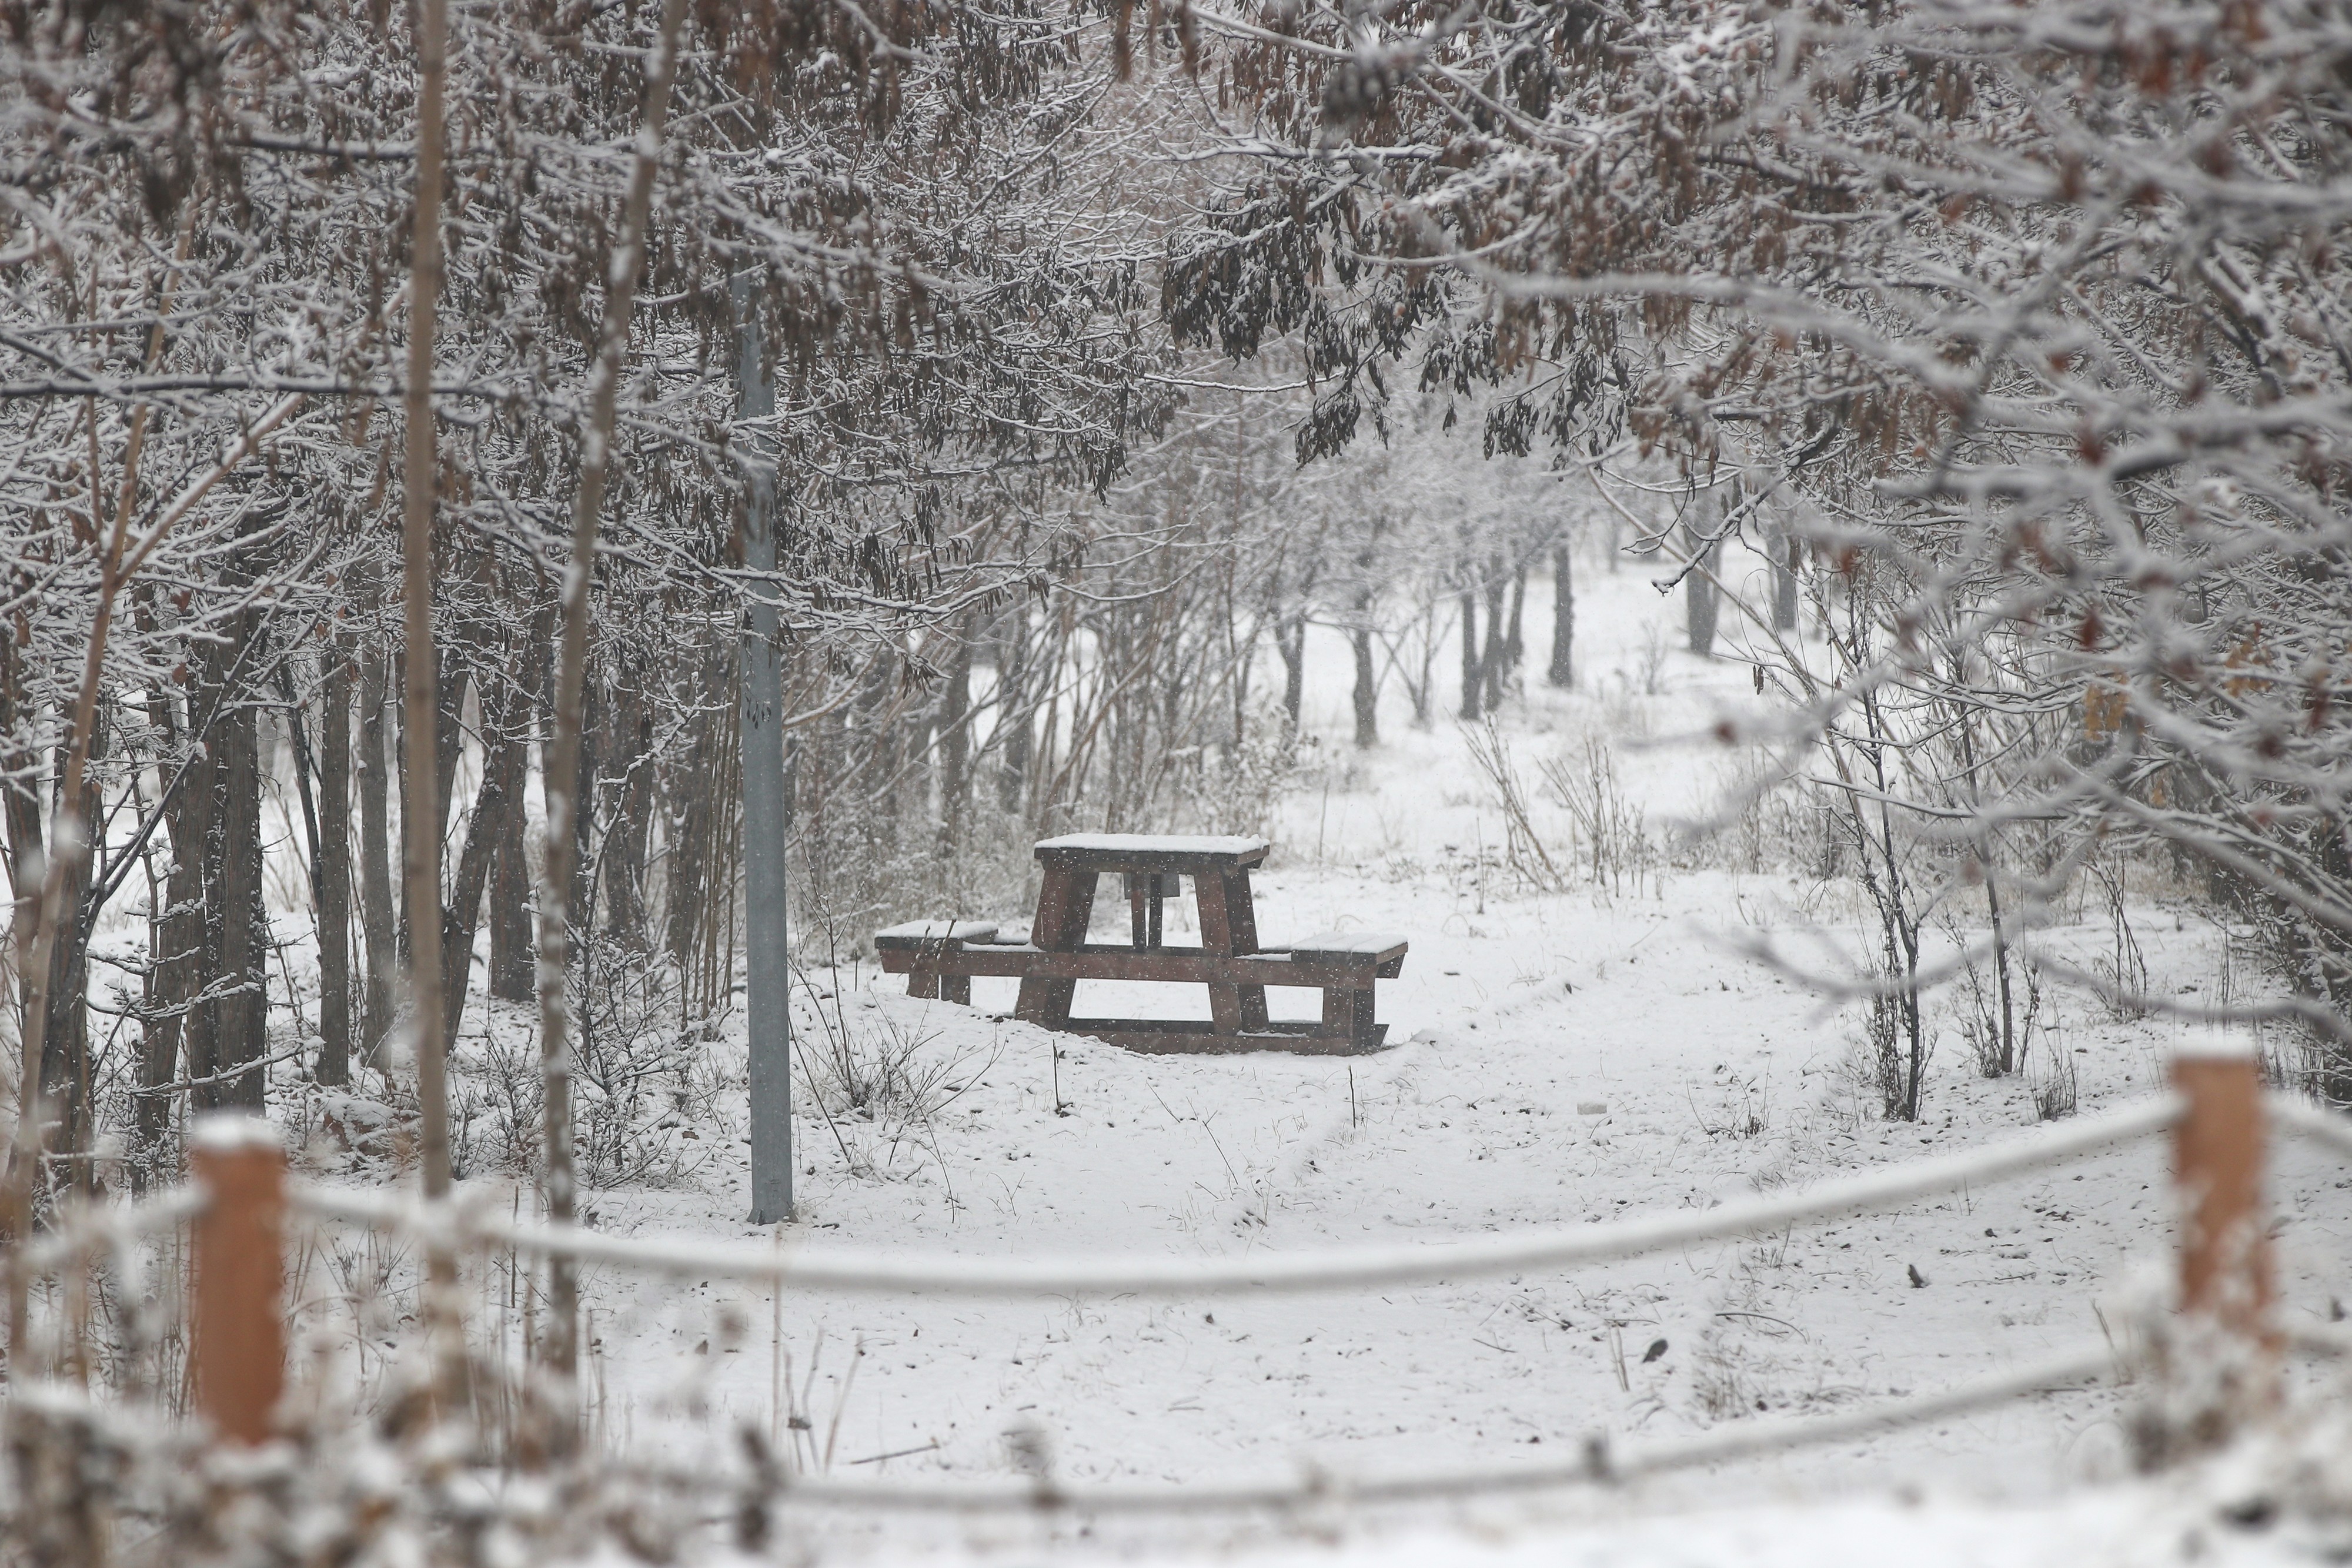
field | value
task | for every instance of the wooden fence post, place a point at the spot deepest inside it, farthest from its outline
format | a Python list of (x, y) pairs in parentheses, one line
[(2222, 1360), (237, 1343)]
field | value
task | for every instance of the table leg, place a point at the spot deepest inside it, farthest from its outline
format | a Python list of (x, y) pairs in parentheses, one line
[(923, 983), (1241, 916), (1066, 900), (1229, 926), (1144, 892), (956, 989), (1347, 1015)]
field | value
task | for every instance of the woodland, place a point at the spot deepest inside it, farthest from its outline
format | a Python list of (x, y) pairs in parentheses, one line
[(417, 424)]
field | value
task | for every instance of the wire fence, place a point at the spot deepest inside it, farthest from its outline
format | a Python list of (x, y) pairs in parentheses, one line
[(1599, 1460), (237, 1208), (1330, 1269)]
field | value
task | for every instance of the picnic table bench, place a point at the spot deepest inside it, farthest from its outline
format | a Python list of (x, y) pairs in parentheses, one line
[(1051, 955)]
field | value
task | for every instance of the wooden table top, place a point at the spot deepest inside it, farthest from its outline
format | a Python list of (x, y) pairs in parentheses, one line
[(1182, 852)]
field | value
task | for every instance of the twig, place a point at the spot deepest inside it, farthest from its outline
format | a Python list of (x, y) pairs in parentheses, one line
[(894, 1454)]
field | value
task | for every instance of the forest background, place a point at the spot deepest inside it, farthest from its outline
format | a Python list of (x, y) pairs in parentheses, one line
[(1086, 358)]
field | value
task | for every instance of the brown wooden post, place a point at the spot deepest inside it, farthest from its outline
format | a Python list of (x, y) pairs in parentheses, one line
[(1065, 901), (1229, 927), (2221, 1358), (1347, 1013), (237, 1346), (2217, 1156), (1209, 891)]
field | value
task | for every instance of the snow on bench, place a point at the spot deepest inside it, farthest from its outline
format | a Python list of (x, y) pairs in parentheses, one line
[(1346, 947), (934, 933), (916, 948)]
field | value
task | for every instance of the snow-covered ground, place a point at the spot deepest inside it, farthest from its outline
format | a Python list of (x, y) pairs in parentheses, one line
[(1563, 1059), (2130, 1526), (1559, 1058)]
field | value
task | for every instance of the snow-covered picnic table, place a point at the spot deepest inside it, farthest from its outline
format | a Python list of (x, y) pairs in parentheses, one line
[(941, 956)]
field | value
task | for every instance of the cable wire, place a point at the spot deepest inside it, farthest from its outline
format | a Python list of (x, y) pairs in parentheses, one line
[(1598, 1461), (1416, 1263)]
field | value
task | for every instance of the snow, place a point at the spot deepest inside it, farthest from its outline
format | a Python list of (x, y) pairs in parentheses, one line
[(1574, 1058), (914, 933), (1569, 1058), (1203, 845), (1337, 946), (232, 1132), (2142, 1525), (2113, 1528)]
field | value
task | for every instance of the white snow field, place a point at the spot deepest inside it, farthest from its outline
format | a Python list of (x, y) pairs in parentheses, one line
[(1562, 1059)]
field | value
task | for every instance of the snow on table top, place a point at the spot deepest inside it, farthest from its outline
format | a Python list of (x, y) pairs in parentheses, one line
[(937, 930), (1216, 844)]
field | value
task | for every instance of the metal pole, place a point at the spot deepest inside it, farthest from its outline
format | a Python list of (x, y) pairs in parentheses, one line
[(766, 998)]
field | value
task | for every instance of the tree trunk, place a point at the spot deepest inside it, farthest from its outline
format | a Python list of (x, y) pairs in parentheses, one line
[(1989, 849), (502, 707), (448, 731), (563, 772), (1490, 663), (20, 809), (20, 805), (1698, 594), (298, 741), (1240, 655), (585, 779), (1013, 716), (1784, 582), (240, 974), (1292, 640), (420, 705), (198, 876), (447, 685), (64, 1046), (1562, 673), (1424, 690), (878, 767), (1473, 676), (334, 867), (1368, 691), (917, 769), (693, 810), (955, 741), (624, 875), (176, 949), (509, 912), (1699, 613), (377, 921), (1514, 647)]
